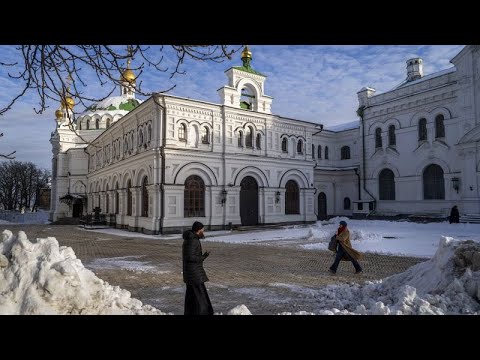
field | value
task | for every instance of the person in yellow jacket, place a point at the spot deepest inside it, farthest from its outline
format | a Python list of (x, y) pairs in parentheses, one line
[(345, 250)]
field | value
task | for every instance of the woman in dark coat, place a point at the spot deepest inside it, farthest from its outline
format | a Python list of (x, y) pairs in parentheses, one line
[(454, 215), (197, 301)]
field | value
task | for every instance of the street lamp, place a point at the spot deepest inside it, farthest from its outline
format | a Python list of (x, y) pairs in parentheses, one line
[(224, 196), (277, 197), (456, 184)]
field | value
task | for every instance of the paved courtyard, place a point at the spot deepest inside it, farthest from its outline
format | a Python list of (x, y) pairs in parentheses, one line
[(267, 277)]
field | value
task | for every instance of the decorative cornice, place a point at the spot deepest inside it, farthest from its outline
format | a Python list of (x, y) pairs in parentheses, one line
[(400, 104)]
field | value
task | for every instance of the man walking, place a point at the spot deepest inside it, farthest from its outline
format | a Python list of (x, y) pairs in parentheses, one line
[(345, 250), (197, 301)]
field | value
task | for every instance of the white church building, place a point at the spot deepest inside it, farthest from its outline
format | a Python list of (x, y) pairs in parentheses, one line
[(157, 165)]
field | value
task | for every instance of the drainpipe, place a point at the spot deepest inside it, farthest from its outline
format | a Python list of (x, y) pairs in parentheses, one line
[(163, 136), (359, 190), (224, 141), (360, 113)]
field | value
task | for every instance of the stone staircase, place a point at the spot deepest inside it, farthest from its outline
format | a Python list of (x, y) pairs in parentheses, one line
[(470, 218)]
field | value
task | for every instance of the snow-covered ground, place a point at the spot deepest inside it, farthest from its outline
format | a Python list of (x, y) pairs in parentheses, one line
[(377, 236), (449, 283), (129, 263), (41, 277), (14, 217)]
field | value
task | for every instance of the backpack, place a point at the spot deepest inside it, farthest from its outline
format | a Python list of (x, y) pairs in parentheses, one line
[(332, 245)]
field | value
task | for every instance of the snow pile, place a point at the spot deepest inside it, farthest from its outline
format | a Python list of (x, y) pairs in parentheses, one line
[(449, 283), (239, 310), (42, 277)]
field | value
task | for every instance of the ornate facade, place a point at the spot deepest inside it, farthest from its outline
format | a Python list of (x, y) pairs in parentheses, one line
[(159, 165)]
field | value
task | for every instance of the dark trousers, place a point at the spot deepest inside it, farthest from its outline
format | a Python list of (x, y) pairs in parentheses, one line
[(340, 254), (197, 301)]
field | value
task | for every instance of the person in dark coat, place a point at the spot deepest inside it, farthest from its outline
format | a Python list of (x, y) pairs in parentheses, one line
[(197, 301), (345, 250), (454, 215)]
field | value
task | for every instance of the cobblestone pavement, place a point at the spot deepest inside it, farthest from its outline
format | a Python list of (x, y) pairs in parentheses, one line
[(268, 277)]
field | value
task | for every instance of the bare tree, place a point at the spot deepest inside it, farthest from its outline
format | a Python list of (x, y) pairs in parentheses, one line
[(20, 184), (7, 156), (46, 68)]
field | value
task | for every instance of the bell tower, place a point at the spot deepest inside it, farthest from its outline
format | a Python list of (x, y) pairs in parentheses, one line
[(245, 89)]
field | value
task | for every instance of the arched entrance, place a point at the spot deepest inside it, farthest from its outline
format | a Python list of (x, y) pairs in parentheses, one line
[(322, 206), (249, 201), (77, 208)]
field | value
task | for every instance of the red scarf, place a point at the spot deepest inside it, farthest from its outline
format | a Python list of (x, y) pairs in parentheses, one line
[(341, 230)]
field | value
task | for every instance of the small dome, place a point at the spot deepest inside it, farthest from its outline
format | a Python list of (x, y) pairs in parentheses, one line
[(59, 114), (246, 53), (129, 76), (68, 103)]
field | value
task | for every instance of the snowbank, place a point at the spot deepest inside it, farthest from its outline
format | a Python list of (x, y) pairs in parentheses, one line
[(449, 283), (42, 277)]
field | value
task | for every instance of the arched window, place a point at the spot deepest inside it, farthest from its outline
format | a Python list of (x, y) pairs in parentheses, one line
[(378, 138), (392, 141), (292, 198), (433, 183), (240, 139), (140, 138), (88, 124), (108, 123), (258, 141), (145, 197), (117, 195), (205, 135), (326, 152), (149, 133), (97, 124), (345, 153), (300, 147), (182, 132), (194, 197), (313, 151), (346, 203), (319, 152), (284, 145), (422, 130), (129, 198), (80, 125), (386, 185), (249, 137), (439, 127)]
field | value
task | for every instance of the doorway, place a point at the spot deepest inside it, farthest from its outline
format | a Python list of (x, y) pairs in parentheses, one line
[(77, 208), (322, 206), (249, 201)]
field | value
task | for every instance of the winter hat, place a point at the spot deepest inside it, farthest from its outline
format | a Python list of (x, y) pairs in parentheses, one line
[(197, 225), (344, 223)]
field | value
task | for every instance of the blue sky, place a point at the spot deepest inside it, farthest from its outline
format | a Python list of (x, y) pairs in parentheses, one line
[(311, 82)]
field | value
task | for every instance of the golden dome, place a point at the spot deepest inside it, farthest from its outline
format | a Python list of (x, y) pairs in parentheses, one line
[(246, 53), (129, 76), (59, 114), (68, 103)]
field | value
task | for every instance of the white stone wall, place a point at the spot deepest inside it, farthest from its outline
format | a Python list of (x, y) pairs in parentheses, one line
[(146, 140), (450, 95)]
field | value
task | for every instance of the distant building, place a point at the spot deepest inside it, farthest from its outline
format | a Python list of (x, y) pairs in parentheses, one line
[(156, 166)]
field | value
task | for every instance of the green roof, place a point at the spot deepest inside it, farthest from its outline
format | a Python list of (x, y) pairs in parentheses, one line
[(128, 105), (249, 70)]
